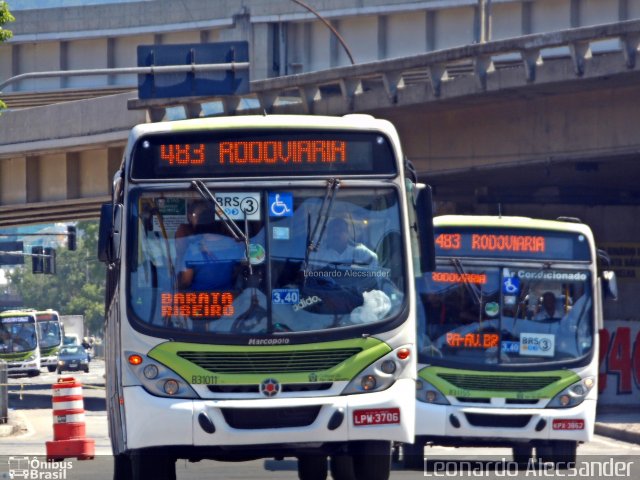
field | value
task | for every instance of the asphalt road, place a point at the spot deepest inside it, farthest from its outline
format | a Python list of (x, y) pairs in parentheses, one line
[(33, 410)]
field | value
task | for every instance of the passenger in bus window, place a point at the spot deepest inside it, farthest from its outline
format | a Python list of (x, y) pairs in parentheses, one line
[(337, 247), (207, 260), (548, 308)]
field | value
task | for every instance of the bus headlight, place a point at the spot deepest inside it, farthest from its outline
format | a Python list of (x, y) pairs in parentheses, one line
[(382, 373), (427, 393), (573, 395), (150, 371), (157, 379), (171, 387)]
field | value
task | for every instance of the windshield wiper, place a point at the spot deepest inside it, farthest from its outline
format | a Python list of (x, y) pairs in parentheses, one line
[(333, 185), (477, 299), (228, 222)]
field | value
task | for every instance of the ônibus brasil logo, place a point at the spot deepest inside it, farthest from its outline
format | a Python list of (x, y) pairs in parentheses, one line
[(34, 468)]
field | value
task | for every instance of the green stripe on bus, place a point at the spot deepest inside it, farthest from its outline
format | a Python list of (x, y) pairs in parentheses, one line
[(370, 350), (481, 384), (13, 357)]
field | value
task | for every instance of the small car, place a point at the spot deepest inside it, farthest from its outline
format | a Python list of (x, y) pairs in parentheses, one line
[(73, 357)]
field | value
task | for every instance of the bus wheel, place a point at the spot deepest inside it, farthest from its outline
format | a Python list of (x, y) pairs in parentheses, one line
[(342, 467), (51, 368), (522, 453), (413, 456), (312, 467), (156, 466), (372, 460), (121, 467), (564, 453)]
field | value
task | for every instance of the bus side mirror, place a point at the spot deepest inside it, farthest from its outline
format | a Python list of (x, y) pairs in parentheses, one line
[(109, 234), (610, 284), (608, 278), (424, 213)]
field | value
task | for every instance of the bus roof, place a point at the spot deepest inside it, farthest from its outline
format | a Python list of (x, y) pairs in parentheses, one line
[(352, 121), (510, 222), (18, 313)]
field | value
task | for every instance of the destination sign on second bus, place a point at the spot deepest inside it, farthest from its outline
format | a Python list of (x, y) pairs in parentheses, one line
[(510, 243), (205, 154)]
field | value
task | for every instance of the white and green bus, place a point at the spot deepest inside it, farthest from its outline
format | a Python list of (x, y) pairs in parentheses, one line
[(508, 337), (260, 294), (19, 342), (50, 336)]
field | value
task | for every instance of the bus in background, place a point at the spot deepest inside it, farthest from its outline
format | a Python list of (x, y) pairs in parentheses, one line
[(50, 336), (19, 342), (508, 337), (260, 294)]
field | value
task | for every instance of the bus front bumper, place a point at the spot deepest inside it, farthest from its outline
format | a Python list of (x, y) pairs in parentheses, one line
[(297, 422), (476, 425), (20, 368), (51, 360)]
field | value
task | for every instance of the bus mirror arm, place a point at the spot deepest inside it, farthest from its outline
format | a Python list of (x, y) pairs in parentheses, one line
[(109, 233), (424, 220)]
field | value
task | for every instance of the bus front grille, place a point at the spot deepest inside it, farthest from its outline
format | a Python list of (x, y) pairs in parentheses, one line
[(497, 421), (270, 362), (287, 387), (257, 418), (516, 383)]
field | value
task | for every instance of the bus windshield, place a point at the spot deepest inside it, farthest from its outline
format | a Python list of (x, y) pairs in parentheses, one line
[(265, 261), (504, 316), (49, 333), (17, 334)]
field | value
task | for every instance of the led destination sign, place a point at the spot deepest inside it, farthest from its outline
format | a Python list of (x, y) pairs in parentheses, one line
[(225, 154), (511, 243), (257, 153)]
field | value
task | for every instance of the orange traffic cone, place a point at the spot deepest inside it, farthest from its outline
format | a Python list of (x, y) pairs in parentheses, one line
[(68, 423)]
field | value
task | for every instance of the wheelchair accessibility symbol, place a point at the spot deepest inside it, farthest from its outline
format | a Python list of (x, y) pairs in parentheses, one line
[(511, 286), (280, 205)]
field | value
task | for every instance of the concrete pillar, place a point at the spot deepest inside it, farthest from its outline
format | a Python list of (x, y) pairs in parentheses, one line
[(73, 175), (64, 63), (431, 17), (526, 18), (382, 37), (114, 160), (575, 13), (13, 181), (93, 173), (334, 46), (33, 179), (53, 177)]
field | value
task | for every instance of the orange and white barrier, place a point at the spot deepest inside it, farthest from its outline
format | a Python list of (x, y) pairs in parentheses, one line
[(69, 429)]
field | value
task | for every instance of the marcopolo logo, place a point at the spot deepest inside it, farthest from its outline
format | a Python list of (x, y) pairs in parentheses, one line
[(34, 468), (269, 341)]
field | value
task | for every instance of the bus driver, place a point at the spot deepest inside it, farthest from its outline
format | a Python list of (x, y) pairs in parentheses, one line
[(337, 247), (206, 260)]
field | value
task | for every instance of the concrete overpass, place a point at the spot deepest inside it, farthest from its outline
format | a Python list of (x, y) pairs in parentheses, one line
[(539, 121), (487, 123)]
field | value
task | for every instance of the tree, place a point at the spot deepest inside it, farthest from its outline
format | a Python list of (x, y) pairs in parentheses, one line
[(5, 17), (77, 288)]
